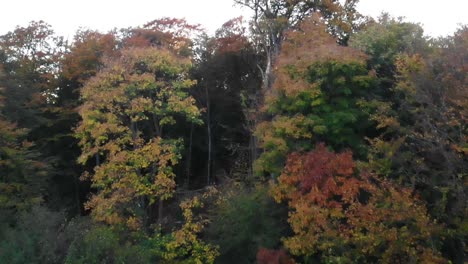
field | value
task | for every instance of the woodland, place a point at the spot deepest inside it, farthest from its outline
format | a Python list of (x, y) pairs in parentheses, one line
[(307, 133)]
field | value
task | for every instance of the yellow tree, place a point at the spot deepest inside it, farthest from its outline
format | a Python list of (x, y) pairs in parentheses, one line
[(127, 107)]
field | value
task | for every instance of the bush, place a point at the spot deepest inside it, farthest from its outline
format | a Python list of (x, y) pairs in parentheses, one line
[(37, 237), (244, 221)]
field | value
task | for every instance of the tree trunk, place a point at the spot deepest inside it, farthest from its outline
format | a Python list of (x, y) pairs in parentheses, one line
[(160, 212), (76, 181), (208, 125), (157, 127), (98, 162), (189, 158)]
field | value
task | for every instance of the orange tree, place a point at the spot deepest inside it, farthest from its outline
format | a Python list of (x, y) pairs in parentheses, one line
[(341, 215)]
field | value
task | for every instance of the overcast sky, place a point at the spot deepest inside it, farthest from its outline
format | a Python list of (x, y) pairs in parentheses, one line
[(66, 16)]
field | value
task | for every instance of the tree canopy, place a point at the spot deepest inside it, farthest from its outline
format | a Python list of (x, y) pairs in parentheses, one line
[(306, 133)]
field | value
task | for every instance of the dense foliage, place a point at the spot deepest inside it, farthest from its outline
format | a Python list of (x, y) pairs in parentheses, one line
[(341, 215), (314, 136)]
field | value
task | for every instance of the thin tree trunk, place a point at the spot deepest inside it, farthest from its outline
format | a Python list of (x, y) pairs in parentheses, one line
[(189, 158), (252, 151), (98, 162), (160, 212), (143, 202), (76, 181), (208, 125), (157, 127), (267, 73)]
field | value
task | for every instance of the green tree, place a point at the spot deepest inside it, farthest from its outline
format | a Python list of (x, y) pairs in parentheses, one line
[(317, 96), (250, 219), (22, 174), (420, 108), (28, 56), (384, 40)]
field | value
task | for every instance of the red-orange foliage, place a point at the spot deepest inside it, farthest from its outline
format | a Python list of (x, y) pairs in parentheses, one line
[(84, 59), (231, 36), (170, 33), (320, 176), (338, 213), (268, 256)]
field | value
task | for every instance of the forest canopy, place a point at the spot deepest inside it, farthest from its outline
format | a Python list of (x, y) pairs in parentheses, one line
[(307, 133)]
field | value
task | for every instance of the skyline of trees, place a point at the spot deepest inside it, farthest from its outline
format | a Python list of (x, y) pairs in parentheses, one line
[(307, 134)]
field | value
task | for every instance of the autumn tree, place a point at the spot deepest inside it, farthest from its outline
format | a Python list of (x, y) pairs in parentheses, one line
[(340, 214), (424, 147), (272, 18), (267, 256), (171, 33), (127, 113), (419, 108), (83, 61), (186, 246), (99, 243), (317, 96)]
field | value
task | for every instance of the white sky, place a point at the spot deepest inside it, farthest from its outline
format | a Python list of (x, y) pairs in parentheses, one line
[(66, 16)]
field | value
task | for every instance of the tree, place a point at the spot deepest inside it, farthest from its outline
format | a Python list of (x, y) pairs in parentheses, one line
[(28, 56), (419, 107), (22, 176), (384, 40), (186, 246), (83, 61), (317, 96), (107, 244), (171, 33), (228, 79), (127, 108), (272, 18), (339, 214)]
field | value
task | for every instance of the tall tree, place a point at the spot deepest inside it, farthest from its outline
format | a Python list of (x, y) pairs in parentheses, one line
[(384, 40), (29, 58), (171, 33), (317, 96), (273, 17), (82, 60), (419, 108), (22, 175), (228, 80), (127, 108)]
